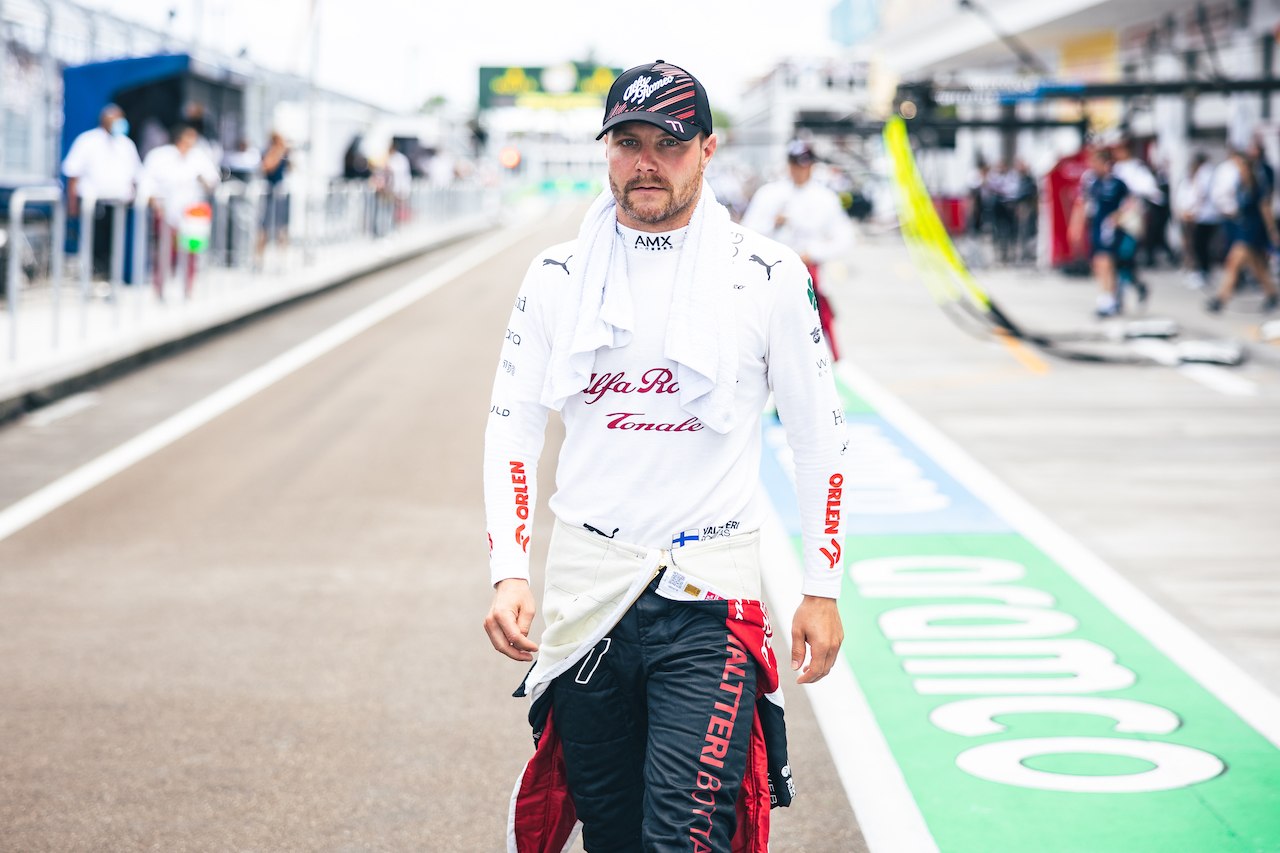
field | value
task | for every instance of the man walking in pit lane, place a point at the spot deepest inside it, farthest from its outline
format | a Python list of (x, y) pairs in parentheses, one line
[(807, 217), (654, 700)]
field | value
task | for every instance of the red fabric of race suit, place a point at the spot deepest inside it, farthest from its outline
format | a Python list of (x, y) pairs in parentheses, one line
[(675, 744)]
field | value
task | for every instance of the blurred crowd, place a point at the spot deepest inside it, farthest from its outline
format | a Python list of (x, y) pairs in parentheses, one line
[(1004, 202), (181, 167), (1220, 215)]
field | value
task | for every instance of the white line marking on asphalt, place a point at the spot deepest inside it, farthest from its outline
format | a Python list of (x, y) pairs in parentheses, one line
[(63, 409), (1220, 379), (1235, 688), (890, 820), (72, 485)]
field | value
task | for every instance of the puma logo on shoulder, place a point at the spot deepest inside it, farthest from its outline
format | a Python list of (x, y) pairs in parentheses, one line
[(564, 264), (768, 268)]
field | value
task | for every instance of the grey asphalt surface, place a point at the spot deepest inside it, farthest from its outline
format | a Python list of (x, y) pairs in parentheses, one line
[(266, 637)]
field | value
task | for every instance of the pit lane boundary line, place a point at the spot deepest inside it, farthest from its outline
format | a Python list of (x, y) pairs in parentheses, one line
[(1232, 686), (75, 483), (887, 812)]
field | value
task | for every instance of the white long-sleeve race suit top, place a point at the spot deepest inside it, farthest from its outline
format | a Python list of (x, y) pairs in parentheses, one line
[(634, 464), (813, 221)]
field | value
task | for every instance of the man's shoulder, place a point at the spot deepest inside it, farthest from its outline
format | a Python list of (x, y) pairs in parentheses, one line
[(161, 154), (91, 136), (748, 243), (762, 265)]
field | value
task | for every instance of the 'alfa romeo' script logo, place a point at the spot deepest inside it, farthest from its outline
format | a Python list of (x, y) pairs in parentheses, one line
[(643, 87)]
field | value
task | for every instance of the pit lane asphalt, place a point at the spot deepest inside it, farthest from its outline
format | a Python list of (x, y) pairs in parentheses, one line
[(266, 636)]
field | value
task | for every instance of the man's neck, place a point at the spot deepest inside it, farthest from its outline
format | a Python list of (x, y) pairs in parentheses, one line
[(671, 223)]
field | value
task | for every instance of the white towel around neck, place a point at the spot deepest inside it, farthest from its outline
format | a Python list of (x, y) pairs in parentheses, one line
[(701, 336)]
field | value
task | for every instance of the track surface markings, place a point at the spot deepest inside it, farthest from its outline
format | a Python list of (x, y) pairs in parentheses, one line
[(77, 482), (1006, 689)]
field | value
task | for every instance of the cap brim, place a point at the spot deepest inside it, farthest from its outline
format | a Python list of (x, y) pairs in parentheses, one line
[(681, 129)]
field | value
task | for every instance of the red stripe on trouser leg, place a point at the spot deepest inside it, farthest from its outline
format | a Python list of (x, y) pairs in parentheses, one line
[(544, 811), (752, 807), (749, 622)]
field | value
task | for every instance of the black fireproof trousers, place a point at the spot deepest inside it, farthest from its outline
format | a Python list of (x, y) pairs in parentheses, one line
[(655, 725)]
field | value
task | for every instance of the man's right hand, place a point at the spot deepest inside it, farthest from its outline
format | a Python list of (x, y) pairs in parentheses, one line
[(509, 619)]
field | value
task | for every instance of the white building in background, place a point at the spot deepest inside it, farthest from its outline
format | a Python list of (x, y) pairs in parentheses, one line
[(1087, 41), (38, 38), (800, 87)]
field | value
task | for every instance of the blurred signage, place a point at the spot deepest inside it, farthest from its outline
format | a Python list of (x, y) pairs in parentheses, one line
[(561, 87), (854, 21)]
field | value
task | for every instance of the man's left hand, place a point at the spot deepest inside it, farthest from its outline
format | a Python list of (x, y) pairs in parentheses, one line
[(817, 624)]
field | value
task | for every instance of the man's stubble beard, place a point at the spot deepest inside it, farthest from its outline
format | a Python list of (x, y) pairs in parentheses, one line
[(681, 197)]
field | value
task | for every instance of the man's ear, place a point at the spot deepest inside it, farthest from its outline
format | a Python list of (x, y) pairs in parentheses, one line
[(709, 147)]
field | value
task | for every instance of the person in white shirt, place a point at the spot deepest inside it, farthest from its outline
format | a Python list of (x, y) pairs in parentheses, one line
[(659, 335), (1199, 220), (175, 177), (807, 218), (102, 164), (399, 174)]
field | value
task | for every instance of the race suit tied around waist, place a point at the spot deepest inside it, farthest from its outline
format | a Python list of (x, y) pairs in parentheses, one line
[(591, 581)]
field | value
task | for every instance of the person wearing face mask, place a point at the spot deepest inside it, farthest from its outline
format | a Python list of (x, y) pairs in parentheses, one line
[(102, 164)]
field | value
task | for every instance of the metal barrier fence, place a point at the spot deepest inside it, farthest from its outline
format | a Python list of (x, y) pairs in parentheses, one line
[(250, 234)]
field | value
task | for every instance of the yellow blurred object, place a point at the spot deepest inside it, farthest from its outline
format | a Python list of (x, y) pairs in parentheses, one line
[(932, 252)]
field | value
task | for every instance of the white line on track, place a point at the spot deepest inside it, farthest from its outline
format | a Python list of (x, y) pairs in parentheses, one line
[(1220, 379), (890, 820), (1235, 688), (72, 485)]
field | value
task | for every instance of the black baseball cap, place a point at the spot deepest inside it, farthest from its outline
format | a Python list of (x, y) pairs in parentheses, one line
[(661, 94)]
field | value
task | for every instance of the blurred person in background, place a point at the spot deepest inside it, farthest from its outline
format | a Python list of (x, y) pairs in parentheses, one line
[(355, 166), (807, 218), (398, 180), (176, 177), (1159, 214), (102, 164), (977, 184), (1242, 191), (1101, 194), (1026, 210), (1002, 183), (1133, 218), (1201, 219), (275, 213), (193, 115)]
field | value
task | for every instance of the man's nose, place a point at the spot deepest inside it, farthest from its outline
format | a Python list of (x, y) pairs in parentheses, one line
[(648, 161)]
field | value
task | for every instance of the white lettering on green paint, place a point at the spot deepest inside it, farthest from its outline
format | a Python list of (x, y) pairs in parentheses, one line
[(1016, 648)]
